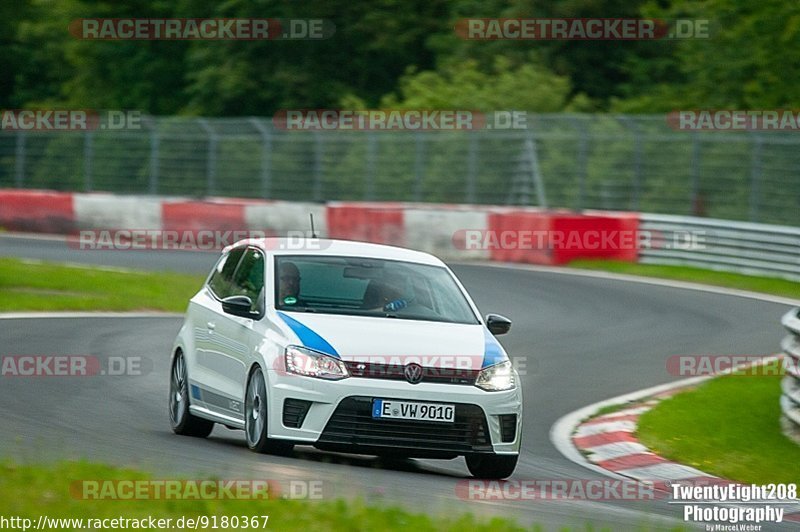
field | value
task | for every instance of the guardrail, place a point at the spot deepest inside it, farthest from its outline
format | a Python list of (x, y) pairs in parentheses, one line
[(742, 247), (790, 400)]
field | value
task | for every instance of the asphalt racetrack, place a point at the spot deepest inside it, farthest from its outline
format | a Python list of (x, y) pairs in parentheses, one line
[(582, 340)]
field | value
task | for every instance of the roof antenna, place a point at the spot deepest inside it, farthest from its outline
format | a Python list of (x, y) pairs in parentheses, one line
[(313, 233)]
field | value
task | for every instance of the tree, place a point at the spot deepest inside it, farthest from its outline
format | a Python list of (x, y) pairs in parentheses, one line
[(748, 62), (529, 87), (372, 47)]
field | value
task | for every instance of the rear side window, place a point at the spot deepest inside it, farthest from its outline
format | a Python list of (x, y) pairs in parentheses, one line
[(221, 281)]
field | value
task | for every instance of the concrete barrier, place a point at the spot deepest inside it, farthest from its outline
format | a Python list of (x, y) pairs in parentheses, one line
[(37, 211), (452, 232)]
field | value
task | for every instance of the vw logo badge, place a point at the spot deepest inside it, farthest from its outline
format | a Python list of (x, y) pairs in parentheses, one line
[(413, 373)]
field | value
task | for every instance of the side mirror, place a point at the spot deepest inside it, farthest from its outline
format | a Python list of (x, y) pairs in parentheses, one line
[(239, 306), (497, 324)]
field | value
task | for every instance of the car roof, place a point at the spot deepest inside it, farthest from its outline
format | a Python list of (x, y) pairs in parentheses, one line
[(335, 247)]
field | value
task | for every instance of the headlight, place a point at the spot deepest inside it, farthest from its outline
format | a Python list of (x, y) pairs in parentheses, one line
[(302, 361), (497, 378)]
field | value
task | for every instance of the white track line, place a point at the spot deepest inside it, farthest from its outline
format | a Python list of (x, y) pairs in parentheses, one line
[(34, 236), (639, 279), (82, 315)]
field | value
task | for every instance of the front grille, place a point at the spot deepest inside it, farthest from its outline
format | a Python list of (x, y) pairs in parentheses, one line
[(508, 427), (294, 412), (352, 425), (372, 370)]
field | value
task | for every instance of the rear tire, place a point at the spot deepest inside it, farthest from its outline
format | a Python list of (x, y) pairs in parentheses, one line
[(181, 419), (491, 466), (256, 420)]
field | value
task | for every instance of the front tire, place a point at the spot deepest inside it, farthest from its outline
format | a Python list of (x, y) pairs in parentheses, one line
[(256, 421), (182, 421), (491, 466)]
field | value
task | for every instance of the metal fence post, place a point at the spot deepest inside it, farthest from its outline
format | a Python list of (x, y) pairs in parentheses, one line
[(419, 165), (637, 160), (755, 178), (19, 159), (637, 170), (266, 156), (318, 154), (533, 157), (582, 156), (472, 166), (695, 175), (211, 161), (154, 156), (369, 174), (583, 167), (88, 156)]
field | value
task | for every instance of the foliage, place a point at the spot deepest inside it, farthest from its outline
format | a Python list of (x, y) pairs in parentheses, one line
[(400, 53)]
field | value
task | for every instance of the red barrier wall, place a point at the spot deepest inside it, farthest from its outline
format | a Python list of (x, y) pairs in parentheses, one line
[(558, 238), (522, 235), (203, 215), (37, 211), (506, 229), (601, 237), (379, 223)]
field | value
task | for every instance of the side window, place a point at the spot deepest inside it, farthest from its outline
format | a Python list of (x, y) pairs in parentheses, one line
[(249, 278), (221, 281)]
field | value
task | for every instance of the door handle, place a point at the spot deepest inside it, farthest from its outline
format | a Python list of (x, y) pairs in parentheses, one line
[(211, 325)]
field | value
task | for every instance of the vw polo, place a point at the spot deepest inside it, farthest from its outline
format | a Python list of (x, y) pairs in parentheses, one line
[(349, 347)]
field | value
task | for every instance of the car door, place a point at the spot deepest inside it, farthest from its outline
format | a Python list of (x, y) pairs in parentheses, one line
[(205, 309), (233, 336)]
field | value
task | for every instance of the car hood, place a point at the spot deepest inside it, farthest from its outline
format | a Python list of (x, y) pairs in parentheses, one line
[(396, 341)]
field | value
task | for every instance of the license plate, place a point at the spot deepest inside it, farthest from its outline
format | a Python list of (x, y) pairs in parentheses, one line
[(390, 409)]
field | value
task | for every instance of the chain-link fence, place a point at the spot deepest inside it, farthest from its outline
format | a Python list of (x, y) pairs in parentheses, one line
[(573, 161)]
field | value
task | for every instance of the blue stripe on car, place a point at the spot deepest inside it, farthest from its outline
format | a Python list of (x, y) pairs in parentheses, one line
[(196, 393), (309, 338), (492, 352)]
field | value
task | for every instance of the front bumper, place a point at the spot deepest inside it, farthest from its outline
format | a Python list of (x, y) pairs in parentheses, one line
[(339, 417)]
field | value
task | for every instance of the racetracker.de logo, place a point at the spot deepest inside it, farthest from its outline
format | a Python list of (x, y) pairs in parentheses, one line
[(734, 120), (69, 120), (195, 490), (188, 240), (556, 490), (400, 120), (377, 120), (576, 240), (580, 29), (73, 366), (203, 29), (737, 365)]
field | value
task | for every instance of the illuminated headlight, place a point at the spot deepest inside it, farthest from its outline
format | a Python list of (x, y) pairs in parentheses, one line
[(497, 378), (302, 361)]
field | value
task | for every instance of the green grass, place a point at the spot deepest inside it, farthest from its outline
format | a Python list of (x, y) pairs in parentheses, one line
[(32, 490), (39, 286), (767, 285), (729, 426)]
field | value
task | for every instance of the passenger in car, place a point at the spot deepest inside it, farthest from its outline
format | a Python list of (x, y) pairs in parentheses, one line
[(383, 292)]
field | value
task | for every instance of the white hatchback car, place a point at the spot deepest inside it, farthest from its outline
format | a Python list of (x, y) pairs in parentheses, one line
[(349, 347)]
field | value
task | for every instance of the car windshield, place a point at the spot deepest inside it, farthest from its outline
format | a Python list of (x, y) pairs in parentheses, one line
[(369, 287)]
